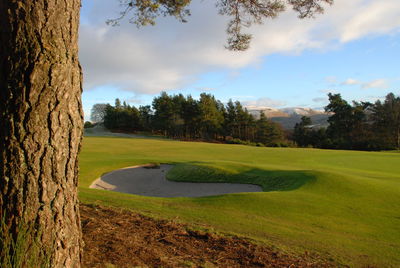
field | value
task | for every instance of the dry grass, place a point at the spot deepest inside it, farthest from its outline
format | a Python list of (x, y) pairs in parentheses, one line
[(123, 239)]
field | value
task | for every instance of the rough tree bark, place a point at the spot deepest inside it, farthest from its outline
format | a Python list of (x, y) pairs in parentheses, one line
[(41, 126)]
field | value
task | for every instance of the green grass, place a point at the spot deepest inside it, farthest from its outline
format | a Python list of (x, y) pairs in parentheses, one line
[(343, 205), (269, 180)]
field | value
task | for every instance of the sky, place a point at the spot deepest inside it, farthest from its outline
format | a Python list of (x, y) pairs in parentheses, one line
[(352, 49)]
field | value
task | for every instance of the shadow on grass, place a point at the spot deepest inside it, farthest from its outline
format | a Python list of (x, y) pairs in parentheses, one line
[(269, 180), (101, 131)]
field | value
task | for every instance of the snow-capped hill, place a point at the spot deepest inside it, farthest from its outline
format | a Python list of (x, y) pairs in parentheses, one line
[(288, 117), (268, 112), (302, 111), (284, 112)]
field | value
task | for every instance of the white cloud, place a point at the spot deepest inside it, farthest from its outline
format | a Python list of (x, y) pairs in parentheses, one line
[(375, 84), (134, 100), (331, 79), (351, 81), (205, 89), (320, 100), (261, 103), (378, 83), (172, 55), (326, 91), (374, 17), (242, 97)]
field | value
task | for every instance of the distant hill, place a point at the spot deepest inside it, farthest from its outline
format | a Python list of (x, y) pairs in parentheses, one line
[(288, 117)]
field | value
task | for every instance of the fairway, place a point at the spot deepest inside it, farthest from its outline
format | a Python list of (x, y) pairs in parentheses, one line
[(343, 205)]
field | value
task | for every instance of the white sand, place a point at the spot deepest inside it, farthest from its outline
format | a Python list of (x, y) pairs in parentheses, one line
[(152, 182)]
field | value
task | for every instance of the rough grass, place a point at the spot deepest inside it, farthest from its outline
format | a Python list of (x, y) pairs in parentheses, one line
[(341, 204), (127, 239), (24, 250)]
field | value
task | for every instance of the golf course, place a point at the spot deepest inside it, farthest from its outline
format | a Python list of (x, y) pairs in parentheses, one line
[(341, 205)]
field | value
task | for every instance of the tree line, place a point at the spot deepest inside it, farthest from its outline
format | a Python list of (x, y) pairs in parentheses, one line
[(183, 117), (356, 126)]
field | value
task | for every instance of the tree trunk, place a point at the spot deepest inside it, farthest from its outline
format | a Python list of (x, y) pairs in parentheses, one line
[(40, 133)]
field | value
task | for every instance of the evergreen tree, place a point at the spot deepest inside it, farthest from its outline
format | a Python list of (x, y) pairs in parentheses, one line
[(191, 116), (302, 131), (163, 113), (117, 104), (230, 120), (211, 118), (342, 122), (268, 132), (386, 117), (145, 117)]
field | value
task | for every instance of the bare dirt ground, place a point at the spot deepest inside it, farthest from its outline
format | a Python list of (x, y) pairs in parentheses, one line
[(142, 180), (125, 239)]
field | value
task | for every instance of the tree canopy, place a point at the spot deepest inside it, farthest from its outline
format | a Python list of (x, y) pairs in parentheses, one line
[(242, 13), (356, 126), (207, 118)]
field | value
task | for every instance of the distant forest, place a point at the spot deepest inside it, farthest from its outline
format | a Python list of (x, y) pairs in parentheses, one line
[(356, 126)]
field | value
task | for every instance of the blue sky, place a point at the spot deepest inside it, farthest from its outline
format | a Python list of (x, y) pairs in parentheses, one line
[(353, 49)]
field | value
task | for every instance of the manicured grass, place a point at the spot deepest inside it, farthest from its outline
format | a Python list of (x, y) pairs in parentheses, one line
[(343, 205), (269, 180)]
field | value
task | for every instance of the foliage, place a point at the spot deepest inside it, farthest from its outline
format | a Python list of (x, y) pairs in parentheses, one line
[(268, 132), (181, 117), (386, 122), (302, 130), (356, 126), (121, 117), (88, 124), (243, 13), (98, 112), (360, 126)]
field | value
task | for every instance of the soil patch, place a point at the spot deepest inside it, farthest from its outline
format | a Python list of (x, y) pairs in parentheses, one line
[(125, 239), (142, 180)]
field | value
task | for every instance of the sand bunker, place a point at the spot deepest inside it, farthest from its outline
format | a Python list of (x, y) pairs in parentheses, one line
[(142, 180)]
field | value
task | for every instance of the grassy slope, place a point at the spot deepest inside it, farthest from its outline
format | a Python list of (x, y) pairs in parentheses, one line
[(348, 208), (269, 180)]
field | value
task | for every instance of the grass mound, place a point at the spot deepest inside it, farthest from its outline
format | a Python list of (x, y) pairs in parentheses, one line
[(269, 180)]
